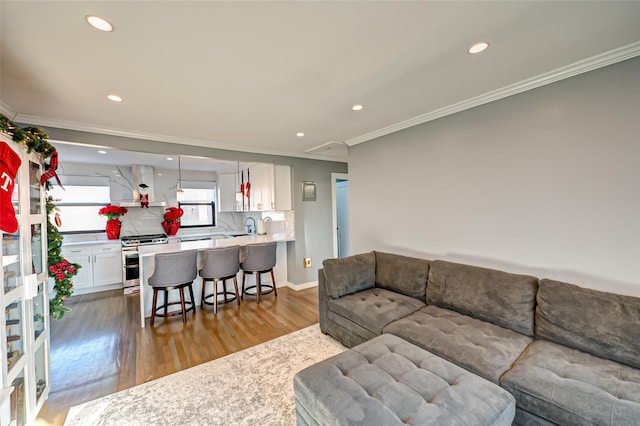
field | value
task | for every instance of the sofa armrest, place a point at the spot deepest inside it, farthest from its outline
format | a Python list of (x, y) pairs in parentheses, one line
[(323, 298)]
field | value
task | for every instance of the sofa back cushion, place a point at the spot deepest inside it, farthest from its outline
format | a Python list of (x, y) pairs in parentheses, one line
[(402, 274), (350, 274), (504, 299), (604, 324)]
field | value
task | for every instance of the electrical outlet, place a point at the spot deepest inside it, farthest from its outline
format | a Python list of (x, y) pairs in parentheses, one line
[(307, 262)]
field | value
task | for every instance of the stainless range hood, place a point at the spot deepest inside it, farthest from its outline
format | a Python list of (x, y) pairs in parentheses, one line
[(142, 174)]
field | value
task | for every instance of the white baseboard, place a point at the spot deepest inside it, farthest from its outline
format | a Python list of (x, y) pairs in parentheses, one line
[(303, 286)]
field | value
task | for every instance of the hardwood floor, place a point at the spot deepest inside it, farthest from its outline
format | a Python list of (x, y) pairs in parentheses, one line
[(99, 347)]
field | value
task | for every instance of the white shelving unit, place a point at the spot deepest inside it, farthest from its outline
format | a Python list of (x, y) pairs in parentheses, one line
[(25, 379)]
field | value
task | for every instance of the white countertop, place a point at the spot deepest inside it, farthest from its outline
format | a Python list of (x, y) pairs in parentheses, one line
[(87, 242), (145, 251)]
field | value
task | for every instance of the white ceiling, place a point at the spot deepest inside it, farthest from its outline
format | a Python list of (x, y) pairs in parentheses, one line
[(249, 75)]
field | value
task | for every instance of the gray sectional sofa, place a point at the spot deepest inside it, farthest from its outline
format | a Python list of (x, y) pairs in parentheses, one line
[(569, 355)]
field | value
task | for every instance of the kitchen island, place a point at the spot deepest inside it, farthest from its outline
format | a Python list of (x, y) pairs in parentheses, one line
[(147, 265)]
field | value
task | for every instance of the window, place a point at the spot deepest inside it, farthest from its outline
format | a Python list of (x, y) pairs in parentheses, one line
[(79, 207), (198, 205)]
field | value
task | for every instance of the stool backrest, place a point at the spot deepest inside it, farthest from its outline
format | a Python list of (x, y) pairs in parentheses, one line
[(221, 262), (260, 257), (175, 268)]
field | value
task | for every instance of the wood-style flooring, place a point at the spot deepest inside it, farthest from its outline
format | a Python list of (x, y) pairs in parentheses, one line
[(99, 347)]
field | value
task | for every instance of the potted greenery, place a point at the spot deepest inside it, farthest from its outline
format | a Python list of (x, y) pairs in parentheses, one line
[(171, 221), (113, 223)]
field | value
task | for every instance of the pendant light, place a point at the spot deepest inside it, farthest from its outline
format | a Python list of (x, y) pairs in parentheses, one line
[(180, 190)]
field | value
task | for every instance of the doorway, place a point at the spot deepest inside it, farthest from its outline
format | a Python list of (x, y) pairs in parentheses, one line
[(340, 195)]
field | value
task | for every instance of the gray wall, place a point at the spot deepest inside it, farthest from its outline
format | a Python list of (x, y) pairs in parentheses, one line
[(313, 219), (546, 182)]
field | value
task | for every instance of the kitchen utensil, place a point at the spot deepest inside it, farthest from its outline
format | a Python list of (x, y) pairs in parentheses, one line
[(242, 190), (248, 189)]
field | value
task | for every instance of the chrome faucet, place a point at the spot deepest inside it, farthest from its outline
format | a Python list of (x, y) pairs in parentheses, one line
[(250, 229)]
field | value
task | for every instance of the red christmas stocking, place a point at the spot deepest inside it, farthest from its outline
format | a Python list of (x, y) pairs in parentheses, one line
[(9, 164)]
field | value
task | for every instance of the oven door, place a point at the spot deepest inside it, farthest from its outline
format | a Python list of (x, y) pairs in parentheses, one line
[(130, 266)]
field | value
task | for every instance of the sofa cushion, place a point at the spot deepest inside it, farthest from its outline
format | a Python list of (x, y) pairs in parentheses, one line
[(604, 324), (402, 274), (505, 299), (350, 274), (569, 387), (481, 347), (388, 381), (374, 308)]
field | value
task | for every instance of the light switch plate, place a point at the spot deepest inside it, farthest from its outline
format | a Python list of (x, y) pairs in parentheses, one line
[(307, 262)]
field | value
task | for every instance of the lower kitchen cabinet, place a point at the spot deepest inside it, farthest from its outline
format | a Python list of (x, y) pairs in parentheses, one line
[(101, 266)]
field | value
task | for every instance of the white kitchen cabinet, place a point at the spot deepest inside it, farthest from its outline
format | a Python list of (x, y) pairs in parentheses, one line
[(228, 187), (270, 189), (84, 277), (101, 266), (282, 188), (24, 339), (107, 267), (261, 195)]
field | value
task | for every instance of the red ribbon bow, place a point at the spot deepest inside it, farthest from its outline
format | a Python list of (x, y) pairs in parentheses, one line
[(53, 166)]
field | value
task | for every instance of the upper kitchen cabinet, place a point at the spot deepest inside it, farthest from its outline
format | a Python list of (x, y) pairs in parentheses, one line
[(282, 188), (269, 189), (260, 176)]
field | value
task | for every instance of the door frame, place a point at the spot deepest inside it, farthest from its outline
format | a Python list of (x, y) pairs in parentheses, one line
[(334, 209)]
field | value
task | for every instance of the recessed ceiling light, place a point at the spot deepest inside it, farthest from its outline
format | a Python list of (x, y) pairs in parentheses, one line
[(357, 107), (300, 134), (102, 152), (99, 23), (170, 158), (115, 98), (478, 47), (159, 174)]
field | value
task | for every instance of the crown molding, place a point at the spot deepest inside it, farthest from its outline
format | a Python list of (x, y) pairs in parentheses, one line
[(81, 127), (580, 67), (6, 110), (324, 145)]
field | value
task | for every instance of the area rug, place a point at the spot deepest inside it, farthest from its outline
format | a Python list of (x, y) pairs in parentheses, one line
[(251, 387)]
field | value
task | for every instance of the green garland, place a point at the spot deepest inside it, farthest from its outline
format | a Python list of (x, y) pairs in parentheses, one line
[(35, 139), (64, 279)]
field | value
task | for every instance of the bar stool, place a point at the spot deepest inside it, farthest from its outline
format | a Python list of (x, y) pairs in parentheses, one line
[(173, 271), (260, 259), (220, 264)]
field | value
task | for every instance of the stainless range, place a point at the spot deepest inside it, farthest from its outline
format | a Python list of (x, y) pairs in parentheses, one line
[(130, 258)]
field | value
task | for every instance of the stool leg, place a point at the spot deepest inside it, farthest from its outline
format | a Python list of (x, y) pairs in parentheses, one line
[(166, 301), (258, 288), (204, 284), (235, 285), (155, 302), (244, 275), (193, 302), (224, 289), (273, 280), (184, 313), (215, 296)]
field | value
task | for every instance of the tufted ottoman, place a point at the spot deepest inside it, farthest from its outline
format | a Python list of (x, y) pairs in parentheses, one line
[(389, 381)]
